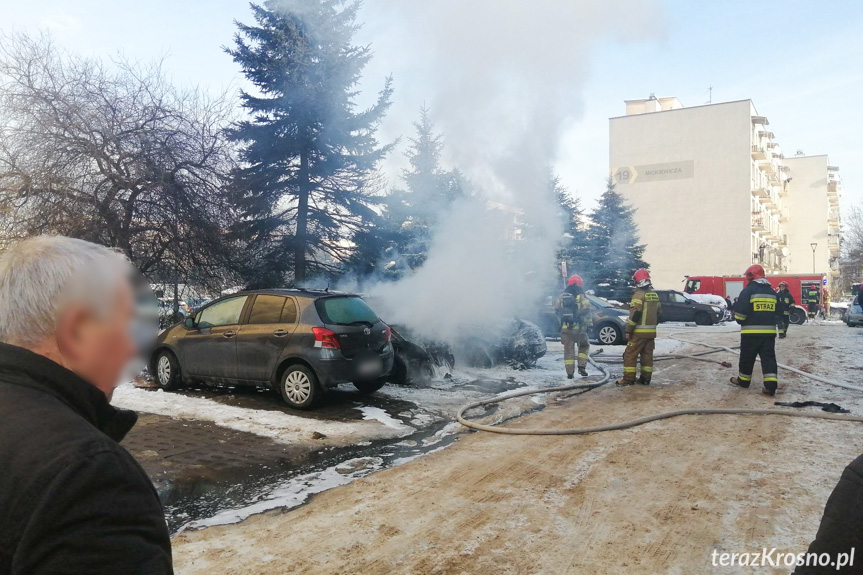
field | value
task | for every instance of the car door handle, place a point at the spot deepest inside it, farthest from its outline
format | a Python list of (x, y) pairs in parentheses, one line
[(280, 333), (229, 334)]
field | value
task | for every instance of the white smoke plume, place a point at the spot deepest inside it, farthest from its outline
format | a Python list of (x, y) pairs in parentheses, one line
[(503, 80)]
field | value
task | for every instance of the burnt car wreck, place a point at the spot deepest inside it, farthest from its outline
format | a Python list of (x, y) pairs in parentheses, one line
[(519, 344)]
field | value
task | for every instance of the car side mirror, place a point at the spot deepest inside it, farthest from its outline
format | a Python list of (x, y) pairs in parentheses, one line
[(189, 323)]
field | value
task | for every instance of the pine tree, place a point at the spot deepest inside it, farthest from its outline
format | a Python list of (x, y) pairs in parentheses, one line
[(614, 253), (310, 158), (401, 240), (573, 249), (429, 191)]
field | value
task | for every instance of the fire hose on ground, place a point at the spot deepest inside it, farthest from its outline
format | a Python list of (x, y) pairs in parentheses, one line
[(649, 418)]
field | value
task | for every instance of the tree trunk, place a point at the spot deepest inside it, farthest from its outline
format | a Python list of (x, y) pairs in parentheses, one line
[(302, 220)]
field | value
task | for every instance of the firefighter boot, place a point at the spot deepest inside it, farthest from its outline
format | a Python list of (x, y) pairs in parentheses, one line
[(623, 382), (737, 382), (643, 380), (582, 371)]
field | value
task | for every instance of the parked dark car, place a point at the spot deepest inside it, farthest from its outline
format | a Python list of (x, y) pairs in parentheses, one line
[(854, 315), (609, 322), (299, 342), (677, 306)]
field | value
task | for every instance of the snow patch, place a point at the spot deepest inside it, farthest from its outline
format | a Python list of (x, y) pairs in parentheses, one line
[(377, 414), (277, 425)]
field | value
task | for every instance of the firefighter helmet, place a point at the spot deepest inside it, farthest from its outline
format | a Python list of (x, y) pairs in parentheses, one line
[(641, 277), (783, 284), (754, 272), (575, 280)]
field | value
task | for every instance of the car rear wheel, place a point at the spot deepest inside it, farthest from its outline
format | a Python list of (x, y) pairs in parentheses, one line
[(609, 334), (369, 387), (703, 318), (167, 370), (299, 387)]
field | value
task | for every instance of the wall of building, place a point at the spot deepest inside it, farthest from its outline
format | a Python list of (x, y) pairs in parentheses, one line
[(687, 172), (808, 213)]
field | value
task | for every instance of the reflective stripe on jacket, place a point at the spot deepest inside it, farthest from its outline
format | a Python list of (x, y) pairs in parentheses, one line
[(644, 312), (757, 309)]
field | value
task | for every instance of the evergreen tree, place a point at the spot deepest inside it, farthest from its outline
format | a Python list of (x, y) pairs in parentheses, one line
[(401, 240), (310, 157), (613, 249), (573, 249)]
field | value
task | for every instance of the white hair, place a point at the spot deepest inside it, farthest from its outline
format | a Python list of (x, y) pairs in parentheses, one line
[(41, 275)]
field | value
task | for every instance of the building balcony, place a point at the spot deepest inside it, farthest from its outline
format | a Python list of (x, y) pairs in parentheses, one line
[(758, 224), (833, 216), (833, 187), (766, 166), (760, 120), (760, 192), (758, 153)]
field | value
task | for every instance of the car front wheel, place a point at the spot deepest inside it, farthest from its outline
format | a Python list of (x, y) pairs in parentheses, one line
[(703, 318), (167, 370), (609, 334), (299, 387)]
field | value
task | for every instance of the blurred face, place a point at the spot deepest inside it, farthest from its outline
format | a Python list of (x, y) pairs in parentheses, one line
[(98, 346)]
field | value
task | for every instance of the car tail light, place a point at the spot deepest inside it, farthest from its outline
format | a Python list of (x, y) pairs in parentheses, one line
[(388, 334), (326, 338)]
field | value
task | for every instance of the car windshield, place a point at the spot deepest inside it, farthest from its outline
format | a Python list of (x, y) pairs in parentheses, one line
[(345, 311)]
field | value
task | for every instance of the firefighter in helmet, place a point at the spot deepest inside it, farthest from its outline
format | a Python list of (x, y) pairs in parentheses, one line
[(644, 314), (757, 311), (786, 303), (573, 311)]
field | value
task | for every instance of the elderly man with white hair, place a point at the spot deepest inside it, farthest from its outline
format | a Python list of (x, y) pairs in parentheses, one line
[(72, 500)]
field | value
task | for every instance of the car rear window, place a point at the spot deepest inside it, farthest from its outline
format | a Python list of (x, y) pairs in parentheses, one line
[(345, 311)]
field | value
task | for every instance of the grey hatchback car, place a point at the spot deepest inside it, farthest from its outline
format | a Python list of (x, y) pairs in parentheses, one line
[(299, 342)]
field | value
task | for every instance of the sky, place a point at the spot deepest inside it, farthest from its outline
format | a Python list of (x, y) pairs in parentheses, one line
[(799, 61)]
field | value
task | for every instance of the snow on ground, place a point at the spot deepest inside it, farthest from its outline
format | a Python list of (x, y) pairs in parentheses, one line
[(436, 401), (277, 425)]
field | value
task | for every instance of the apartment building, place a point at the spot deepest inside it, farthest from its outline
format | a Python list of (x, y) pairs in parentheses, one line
[(714, 192)]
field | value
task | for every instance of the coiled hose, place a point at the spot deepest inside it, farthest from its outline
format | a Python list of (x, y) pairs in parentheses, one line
[(647, 419)]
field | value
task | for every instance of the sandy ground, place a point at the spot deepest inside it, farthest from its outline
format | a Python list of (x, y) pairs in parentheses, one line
[(655, 499)]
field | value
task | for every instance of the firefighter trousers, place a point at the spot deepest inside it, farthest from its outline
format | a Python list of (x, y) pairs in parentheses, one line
[(783, 324), (638, 348), (570, 338), (753, 347)]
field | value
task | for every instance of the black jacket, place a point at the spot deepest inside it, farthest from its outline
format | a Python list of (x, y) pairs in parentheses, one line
[(71, 499), (786, 301), (757, 309), (841, 528)]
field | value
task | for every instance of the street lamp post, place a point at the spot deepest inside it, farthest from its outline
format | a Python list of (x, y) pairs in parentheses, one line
[(814, 245)]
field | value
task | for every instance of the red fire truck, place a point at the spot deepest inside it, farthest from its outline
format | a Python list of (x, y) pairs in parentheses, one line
[(806, 290)]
